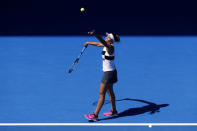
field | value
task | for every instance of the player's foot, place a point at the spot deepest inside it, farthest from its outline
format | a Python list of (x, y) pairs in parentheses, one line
[(110, 113), (91, 117)]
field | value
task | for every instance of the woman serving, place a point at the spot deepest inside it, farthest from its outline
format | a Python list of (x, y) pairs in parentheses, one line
[(109, 75)]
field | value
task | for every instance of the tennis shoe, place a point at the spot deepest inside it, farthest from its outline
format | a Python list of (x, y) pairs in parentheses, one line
[(91, 117), (110, 113)]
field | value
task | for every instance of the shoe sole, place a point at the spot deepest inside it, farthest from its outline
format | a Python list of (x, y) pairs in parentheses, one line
[(94, 120), (112, 115)]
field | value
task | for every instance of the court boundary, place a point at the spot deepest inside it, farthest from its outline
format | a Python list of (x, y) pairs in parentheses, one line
[(98, 124)]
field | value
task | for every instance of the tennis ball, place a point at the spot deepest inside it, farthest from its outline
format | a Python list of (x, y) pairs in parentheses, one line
[(82, 9)]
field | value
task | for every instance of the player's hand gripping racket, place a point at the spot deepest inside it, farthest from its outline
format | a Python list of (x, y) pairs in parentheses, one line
[(77, 59)]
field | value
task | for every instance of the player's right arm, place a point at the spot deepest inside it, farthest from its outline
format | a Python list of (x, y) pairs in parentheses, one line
[(94, 44)]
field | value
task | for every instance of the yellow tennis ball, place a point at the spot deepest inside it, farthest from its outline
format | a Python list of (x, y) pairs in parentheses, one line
[(82, 9)]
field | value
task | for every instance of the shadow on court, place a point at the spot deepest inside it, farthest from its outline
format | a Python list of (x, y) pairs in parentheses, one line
[(151, 107)]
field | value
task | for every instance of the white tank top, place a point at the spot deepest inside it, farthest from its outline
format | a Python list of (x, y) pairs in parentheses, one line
[(108, 61)]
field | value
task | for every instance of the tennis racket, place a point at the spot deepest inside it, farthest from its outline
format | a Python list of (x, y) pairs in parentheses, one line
[(77, 60)]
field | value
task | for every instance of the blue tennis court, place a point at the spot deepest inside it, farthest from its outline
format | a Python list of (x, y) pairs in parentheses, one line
[(157, 80)]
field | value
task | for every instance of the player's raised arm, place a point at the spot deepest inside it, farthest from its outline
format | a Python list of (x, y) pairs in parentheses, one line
[(93, 32)]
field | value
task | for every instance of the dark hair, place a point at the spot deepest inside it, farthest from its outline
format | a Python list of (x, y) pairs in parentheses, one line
[(116, 37)]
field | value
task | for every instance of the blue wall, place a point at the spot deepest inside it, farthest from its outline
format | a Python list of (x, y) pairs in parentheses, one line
[(125, 17)]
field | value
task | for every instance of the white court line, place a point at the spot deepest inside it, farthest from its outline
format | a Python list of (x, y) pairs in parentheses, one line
[(98, 124)]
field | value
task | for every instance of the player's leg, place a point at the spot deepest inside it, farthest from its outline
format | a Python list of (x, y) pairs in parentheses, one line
[(110, 92), (102, 92), (112, 98)]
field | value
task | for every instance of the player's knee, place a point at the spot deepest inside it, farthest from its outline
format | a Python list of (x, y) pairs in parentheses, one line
[(101, 94)]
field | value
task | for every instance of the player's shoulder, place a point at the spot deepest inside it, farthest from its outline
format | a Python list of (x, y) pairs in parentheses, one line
[(110, 49)]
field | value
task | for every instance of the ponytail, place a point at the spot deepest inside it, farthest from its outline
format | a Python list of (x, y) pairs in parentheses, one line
[(116, 38)]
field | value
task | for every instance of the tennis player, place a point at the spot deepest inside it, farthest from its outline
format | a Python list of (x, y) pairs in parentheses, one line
[(110, 73)]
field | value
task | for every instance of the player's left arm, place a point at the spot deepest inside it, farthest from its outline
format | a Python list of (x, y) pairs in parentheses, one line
[(99, 38), (110, 49)]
